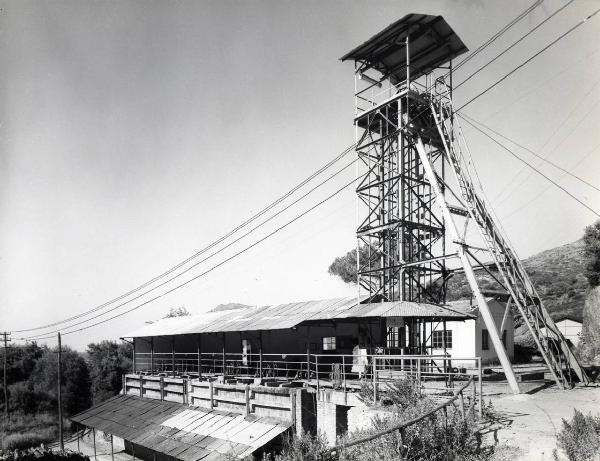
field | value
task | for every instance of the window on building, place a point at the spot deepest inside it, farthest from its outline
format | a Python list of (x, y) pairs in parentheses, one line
[(393, 337), (437, 339), (504, 339), (329, 343), (485, 340)]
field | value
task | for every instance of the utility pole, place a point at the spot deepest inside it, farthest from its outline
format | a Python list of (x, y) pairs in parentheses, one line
[(6, 340), (60, 420)]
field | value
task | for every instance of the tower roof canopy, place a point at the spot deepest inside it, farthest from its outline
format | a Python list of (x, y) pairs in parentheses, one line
[(432, 43)]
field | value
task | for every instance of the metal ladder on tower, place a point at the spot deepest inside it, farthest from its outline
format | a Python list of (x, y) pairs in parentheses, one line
[(549, 340)]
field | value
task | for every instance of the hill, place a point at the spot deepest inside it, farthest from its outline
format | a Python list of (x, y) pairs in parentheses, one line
[(557, 274)]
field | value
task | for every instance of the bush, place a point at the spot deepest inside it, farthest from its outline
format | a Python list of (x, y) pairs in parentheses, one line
[(580, 437), (402, 392), (25, 440), (435, 438), (307, 447), (42, 454)]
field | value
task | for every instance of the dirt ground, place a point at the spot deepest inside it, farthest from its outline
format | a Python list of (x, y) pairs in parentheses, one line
[(524, 426)]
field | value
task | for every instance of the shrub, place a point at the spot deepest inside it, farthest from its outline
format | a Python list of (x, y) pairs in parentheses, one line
[(42, 454), (307, 447), (580, 437), (434, 438), (402, 392), (25, 440)]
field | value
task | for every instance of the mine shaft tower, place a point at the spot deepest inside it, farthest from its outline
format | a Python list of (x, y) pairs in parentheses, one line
[(421, 218)]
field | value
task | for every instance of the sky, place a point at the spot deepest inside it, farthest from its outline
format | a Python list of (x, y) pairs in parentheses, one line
[(135, 133)]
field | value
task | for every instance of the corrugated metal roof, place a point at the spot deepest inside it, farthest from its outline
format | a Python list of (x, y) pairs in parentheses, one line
[(406, 309), (283, 316), (432, 44), (181, 431)]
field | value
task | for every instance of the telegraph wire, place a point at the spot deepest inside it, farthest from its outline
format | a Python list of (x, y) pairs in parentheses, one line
[(220, 250), (235, 255), (471, 119), (530, 166), (542, 192), (200, 252), (513, 45), (581, 120), (497, 35), (531, 58)]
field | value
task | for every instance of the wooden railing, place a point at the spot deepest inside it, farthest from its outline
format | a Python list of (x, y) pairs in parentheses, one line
[(458, 395), (246, 399)]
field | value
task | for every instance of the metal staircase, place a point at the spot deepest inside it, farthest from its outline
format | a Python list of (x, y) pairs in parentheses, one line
[(550, 341)]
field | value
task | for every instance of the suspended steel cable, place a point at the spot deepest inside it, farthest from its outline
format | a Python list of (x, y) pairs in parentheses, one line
[(530, 166), (567, 172), (203, 250), (497, 35), (212, 268), (506, 50), (527, 61), (210, 256)]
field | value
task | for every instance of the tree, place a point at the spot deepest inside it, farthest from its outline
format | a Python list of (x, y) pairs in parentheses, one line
[(177, 312), (108, 362), (345, 266), (591, 250), (76, 385)]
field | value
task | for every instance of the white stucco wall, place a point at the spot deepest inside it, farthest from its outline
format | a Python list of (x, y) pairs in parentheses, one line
[(467, 335)]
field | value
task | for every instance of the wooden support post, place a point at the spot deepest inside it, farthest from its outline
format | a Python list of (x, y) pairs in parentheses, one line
[(224, 363), (211, 394), (199, 350), (162, 388), (308, 362), (152, 354), (112, 448), (344, 372), (260, 354), (5, 386), (480, 384), (474, 396), (462, 404), (173, 355), (293, 394), (133, 357), (317, 372), (247, 395), (59, 394), (402, 439), (94, 437), (78, 450), (141, 378), (374, 379)]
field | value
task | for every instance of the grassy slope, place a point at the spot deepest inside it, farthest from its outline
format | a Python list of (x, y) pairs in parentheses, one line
[(557, 275)]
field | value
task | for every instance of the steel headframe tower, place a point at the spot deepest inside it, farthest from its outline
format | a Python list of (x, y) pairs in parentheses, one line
[(422, 218)]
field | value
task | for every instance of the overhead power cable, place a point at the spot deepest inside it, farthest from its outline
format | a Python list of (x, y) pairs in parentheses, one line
[(543, 191), (210, 256), (203, 250), (471, 119), (530, 166), (527, 61), (497, 35), (235, 255), (506, 50)]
